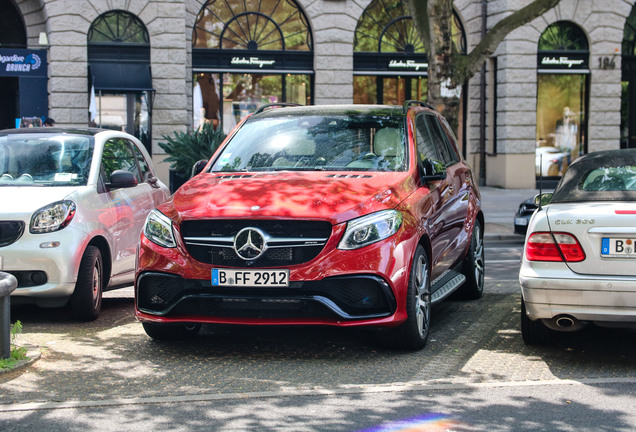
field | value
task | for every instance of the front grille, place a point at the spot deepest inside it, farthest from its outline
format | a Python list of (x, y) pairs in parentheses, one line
[(352, 297), (10, 232), (290, 242)]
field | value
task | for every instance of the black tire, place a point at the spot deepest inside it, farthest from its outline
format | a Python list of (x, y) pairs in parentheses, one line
[(474, 266), (413, 333), (162, 331), (534, 332), (86, 301)]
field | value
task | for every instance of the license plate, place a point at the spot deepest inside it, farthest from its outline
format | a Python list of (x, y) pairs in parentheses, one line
[(618, 247), (250, 278), (521, 221)]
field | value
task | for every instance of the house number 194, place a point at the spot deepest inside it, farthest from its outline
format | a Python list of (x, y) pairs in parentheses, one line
[(606, 63)]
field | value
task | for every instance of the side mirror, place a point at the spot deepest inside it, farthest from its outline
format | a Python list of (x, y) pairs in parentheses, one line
[(198, 167), (432, 170), (543, 199), (120, 179)]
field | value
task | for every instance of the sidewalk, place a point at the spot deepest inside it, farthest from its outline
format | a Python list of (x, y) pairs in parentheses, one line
[(499, 206)]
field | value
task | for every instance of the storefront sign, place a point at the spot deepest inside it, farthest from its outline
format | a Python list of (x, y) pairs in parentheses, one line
[(561, 61), (22, 62), (251, 61), (408, 64)]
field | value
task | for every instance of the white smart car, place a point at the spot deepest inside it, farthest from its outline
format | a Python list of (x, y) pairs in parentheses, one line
[(579, 261), (72, 205)]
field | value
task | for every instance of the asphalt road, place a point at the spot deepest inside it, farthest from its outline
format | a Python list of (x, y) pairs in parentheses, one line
[(474, 374)]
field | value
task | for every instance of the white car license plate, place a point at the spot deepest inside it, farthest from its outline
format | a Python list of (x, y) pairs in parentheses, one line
[(618, 247), (250, 278)]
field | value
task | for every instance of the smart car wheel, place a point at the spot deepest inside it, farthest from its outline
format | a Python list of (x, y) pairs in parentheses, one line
[(413, 333), (473, 267), (86, 301), (533, 332), (162, 331)]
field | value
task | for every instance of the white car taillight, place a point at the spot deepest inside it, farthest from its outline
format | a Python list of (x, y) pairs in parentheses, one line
[(546, 246)]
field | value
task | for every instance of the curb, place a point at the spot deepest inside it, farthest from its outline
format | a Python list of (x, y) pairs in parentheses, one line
[(33, 355)]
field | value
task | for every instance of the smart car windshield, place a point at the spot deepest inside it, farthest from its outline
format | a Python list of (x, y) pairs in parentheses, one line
[(316, 142), (45, 159)]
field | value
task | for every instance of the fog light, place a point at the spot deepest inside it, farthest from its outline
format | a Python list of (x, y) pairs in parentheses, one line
[(49, 245)]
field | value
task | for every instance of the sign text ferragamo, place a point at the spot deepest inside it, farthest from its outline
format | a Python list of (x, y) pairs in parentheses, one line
[(561, 61), (408, 64), (252, 61)]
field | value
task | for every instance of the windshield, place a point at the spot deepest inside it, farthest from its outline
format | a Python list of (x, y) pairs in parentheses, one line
[(45, 159), (316, 142)]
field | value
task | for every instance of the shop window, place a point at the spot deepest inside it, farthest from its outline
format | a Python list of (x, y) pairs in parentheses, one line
[(562, 95), (390, 64), (247, 54), (628, 83), (120, 80)]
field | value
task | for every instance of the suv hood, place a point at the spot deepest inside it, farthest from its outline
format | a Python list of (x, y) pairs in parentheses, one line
[(337, 197), (27, 199)]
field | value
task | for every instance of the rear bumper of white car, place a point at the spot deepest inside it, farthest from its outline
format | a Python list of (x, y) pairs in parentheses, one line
[(582, 298)]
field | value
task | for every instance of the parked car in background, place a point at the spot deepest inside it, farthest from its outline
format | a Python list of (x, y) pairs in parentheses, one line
[(523, 215), (579, 260), (550, 161), (74, 202), (353, 215)]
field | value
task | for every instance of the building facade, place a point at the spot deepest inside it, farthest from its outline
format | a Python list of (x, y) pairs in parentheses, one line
[(556, 88)]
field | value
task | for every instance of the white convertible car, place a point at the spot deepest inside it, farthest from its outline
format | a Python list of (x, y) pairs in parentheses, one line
[(73, 205), (579, 260)]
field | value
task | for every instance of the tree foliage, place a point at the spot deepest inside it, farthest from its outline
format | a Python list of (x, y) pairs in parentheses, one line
[(447, 67)]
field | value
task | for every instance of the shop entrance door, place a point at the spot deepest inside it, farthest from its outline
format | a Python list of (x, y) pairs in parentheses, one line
[(628, 119), (9, 87)]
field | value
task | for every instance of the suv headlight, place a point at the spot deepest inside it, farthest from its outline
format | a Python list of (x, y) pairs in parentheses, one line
[(53, 217), (370, 229), (158, 229)]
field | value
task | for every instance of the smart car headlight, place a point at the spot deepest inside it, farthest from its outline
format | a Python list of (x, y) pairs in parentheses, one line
[(371, 228), (53, 217), (158, 229)]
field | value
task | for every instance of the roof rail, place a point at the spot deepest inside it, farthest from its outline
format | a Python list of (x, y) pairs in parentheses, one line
[(275, 104), (408, 103)]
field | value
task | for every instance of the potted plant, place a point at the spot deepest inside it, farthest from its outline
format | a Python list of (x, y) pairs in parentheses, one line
[(184, 149)]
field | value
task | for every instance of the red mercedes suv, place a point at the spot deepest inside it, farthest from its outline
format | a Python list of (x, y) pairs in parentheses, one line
[(347, 215)]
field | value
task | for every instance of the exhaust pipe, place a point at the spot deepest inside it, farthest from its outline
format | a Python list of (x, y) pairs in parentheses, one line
[(565, 322)]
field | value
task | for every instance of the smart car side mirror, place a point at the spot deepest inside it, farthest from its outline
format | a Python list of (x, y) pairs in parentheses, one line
[(543, 199), (198, 166), (432, 170), (120, 179)]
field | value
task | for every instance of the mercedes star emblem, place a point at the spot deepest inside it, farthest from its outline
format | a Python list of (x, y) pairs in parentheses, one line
[(249, 244)]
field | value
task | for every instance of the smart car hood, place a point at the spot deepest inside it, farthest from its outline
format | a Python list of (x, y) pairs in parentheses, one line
[(27, 199), (336, 197)]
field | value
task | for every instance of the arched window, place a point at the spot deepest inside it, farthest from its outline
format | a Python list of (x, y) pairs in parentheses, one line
[(387, 27), (246, 53), (628, 83), (389, 60), (120, 77), (263, 25), (562, 98)]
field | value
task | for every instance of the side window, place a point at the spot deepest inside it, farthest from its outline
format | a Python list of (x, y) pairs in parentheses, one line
[(146, 173), (118, 155), (428, 141), (450, 140)]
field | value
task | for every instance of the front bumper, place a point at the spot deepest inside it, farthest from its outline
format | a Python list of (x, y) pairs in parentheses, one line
[(44, 272), (584, 298), (349, 298), (339, 287)]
